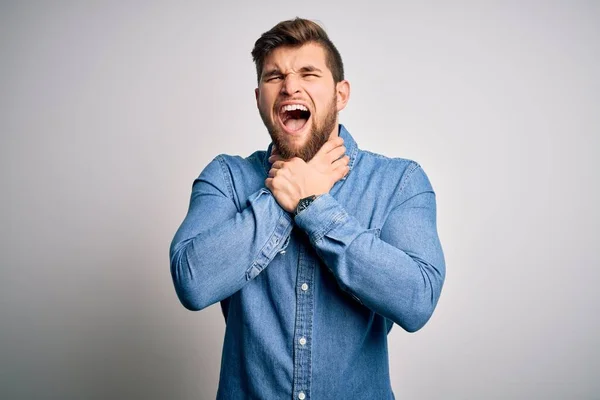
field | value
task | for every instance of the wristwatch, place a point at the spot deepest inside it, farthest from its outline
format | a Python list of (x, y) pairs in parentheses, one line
[(303, 204)]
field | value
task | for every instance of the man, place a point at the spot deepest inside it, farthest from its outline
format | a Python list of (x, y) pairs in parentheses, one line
[(314, 248)]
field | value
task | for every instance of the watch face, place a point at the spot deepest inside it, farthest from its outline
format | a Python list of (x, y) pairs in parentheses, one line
[(304, 203), (301, 206)]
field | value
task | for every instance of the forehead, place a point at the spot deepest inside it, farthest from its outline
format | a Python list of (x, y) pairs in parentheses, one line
[(296, 57)]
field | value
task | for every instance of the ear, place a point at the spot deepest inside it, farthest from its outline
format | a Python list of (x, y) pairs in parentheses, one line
[(342, 91), (256, 93)]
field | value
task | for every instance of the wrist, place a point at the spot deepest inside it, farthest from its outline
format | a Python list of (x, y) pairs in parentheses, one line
[(304, 203)]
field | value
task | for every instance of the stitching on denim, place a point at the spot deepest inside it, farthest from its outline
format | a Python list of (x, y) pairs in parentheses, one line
[(353, 157), (255, 261), (376, 155), (337, 217), (412, 197), (407, 174), (405, 177), (249, 271), (226, 176)]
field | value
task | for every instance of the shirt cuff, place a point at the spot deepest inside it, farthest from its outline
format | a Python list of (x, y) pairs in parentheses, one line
[(279, 237), (323, 214)]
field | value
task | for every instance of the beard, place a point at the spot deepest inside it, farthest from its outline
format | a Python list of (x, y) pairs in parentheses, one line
[(318, 136)]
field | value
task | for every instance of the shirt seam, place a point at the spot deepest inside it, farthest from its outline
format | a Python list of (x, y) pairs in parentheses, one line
[(226, 176), (319, 235), (256, 260), (406, 177)]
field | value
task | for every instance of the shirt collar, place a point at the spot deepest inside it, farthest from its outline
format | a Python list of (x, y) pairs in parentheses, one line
[(351, 150)]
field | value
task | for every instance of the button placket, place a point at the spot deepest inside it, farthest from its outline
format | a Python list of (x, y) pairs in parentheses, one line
[(304, 325)]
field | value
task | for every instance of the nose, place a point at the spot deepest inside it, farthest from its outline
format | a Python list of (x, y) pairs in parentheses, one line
[(290, 85)]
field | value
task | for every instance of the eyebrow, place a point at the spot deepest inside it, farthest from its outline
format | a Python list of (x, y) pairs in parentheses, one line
[(310, 68), (276, 71), (270, 73)]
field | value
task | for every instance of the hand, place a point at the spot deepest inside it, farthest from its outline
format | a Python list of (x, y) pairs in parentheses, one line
[(294, 179), (329, 153)]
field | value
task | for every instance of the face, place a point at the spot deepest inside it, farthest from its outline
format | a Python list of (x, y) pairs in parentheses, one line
[(299, 101)]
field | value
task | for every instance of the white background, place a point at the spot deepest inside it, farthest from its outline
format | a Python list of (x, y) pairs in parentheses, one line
[(108, 113)]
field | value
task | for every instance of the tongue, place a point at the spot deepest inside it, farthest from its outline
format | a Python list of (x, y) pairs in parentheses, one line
[(294, 124)]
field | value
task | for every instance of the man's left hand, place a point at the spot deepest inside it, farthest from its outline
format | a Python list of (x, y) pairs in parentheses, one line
[(295, 179)]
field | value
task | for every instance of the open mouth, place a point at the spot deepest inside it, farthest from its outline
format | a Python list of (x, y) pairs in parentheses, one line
[(294, 116)]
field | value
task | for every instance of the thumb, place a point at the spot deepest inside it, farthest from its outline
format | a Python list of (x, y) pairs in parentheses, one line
[(328, 146)]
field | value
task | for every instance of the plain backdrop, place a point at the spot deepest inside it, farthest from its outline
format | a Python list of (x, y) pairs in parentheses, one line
[(109, 110)]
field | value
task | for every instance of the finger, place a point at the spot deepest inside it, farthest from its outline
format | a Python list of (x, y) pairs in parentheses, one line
[(323, 153), (278, 164), (336, 153), (340, 163), (336, 141), (269, 183), (274, 157), (279, 172), (340, 172), (276, 168), (330, 145)]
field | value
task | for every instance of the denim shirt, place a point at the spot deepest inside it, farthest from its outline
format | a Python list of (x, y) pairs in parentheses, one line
[(309, 300)]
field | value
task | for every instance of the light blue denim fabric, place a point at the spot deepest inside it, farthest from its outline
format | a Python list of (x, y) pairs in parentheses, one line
[(308, 302)]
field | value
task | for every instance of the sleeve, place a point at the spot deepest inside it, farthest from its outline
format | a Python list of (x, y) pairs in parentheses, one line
[(396, 271), (218, 248)]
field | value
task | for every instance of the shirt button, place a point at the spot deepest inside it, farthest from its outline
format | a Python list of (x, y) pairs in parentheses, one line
[(302, 341), (282, 252), (301, 396), (304, 287)]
